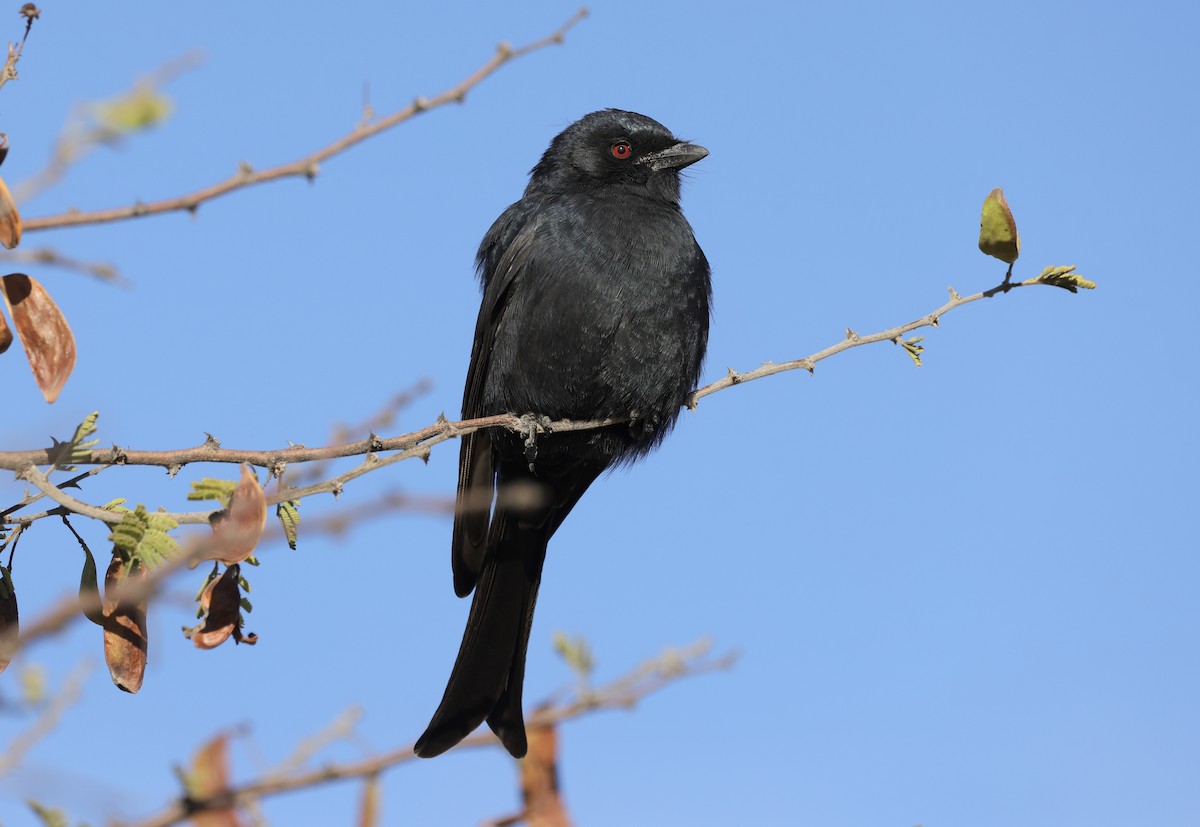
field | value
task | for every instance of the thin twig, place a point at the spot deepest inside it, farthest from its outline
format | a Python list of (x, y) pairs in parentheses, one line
[(90, 125), (381, 419), (52, 258), (622, 693), (47, 719), (338, 729), (308, 166), (9, 70), (29, 499), (852, 340)]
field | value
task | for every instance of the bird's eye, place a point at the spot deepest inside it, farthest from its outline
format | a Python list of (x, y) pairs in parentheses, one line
[(621, 150)]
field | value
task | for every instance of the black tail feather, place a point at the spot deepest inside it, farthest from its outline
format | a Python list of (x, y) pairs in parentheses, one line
[(485, 683)]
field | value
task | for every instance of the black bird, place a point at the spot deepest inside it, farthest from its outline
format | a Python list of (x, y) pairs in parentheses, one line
[(595, 305)]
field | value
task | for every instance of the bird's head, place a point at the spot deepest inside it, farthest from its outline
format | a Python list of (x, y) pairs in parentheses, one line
[(614, 148)]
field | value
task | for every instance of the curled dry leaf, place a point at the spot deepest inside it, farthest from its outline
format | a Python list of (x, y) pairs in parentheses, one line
[(6, 334), (44, 332), (209, 777), (238, 528), (125, 640), (221, 605), (10, 219), (8, 617)]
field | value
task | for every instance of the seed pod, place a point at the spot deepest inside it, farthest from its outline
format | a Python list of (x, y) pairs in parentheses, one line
[(125, 640)]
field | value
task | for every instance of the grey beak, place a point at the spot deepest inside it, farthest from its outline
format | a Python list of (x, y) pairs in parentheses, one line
[(678, 156)]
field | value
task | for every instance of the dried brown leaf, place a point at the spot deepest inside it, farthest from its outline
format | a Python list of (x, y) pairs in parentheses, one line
[(44, 332), (6, 334), (221, 604), (209, 777), (238, 528), (210, 768), (10, 219), (125, 633)]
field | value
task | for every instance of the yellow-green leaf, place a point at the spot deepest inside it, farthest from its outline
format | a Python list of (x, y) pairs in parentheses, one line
[(141, 108), (212, 489), (143, 537), (576, 652), (78, 448), (998, 235), (913, 348), (288, 513), (50, 816), (1064, 276)]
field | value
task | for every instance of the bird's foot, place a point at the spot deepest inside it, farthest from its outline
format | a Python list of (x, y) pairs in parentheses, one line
[(531, 426)]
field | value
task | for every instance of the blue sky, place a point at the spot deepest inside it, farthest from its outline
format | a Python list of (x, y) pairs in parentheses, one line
[(965, 593)]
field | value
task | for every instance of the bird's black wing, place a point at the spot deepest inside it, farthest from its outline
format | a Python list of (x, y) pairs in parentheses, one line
[(476, 463)]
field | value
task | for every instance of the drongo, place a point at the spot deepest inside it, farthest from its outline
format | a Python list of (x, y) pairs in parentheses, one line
[(595, 306)]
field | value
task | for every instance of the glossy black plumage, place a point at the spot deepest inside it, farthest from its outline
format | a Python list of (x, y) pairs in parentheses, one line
[(595, 304)]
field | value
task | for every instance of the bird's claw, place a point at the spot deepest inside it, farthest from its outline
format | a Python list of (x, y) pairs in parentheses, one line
[(531, 426)]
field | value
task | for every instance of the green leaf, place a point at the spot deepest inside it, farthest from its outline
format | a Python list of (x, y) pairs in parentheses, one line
[(89, 590), (76, 449), (576, 652), (246, 604), (50, 816), (212, 489), (139, 109), (142, 537), (34, 685), (1064, 276), (289, 517), (998, 235), (913, 348)]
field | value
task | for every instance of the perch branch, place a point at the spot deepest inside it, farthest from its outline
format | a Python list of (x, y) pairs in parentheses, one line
[(417, 443)]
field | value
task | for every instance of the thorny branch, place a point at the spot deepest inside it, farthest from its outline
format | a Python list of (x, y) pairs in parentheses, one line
[(308, 166), (623, 693), (407, 446), (414, 444)]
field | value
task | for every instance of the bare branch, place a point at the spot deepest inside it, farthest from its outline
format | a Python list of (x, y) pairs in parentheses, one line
[(308, 166), (853, 340), (47, 719), (52, 258), (622, 693)]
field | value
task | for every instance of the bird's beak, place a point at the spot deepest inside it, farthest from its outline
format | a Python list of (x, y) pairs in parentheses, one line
[(678, 156)]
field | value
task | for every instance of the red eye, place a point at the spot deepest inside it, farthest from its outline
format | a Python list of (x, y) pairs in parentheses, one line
[(621, 150)]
